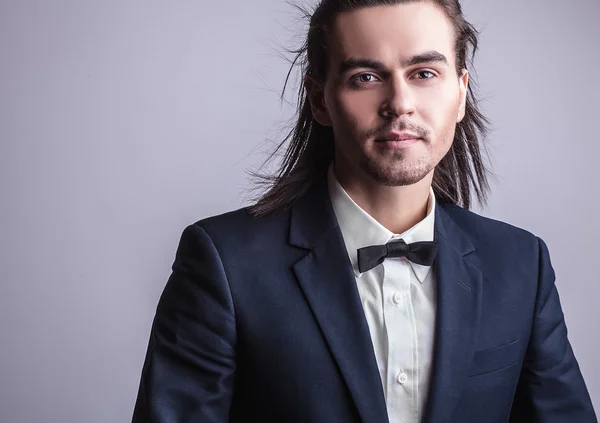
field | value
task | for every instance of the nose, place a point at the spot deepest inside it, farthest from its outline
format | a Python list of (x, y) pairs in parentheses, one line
[(398, 100)]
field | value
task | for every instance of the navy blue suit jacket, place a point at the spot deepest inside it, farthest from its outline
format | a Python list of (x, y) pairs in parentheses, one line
[(261, 321)]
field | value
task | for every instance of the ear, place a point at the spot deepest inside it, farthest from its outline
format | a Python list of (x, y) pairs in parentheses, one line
[(463, 84), (316, 96)]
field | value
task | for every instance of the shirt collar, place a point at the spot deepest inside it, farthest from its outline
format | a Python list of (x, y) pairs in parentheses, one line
[(359, 229)]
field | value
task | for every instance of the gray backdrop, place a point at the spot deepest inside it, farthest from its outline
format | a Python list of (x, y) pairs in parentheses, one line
[(121, 122)]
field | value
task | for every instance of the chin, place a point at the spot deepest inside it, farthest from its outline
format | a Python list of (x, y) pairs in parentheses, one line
[(398, 180), (398, 174)]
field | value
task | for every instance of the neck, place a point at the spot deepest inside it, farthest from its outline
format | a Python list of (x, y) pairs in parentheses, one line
[(397, 208)]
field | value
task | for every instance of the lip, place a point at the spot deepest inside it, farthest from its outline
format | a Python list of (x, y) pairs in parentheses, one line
[(398, 145), (398, 140), (399, 136)]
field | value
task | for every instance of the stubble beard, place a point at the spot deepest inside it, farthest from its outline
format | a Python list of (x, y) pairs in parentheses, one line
[(398, 168)]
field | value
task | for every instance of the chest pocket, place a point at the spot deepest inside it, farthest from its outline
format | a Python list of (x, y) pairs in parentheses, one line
[(497, 358)]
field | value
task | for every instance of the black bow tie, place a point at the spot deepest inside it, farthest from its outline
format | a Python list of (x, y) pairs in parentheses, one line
[(418, 252)]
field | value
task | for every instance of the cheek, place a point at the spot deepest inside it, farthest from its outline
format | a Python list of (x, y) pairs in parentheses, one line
[(355, 110), (440, 110)]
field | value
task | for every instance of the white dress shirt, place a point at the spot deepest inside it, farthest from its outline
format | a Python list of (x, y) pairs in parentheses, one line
[(398, 298)]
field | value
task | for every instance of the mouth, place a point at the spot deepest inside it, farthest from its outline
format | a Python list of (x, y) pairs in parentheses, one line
[(397, 144), (398, 140), (399, 136)]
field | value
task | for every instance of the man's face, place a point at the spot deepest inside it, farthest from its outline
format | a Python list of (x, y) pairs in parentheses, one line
[(391, 73)]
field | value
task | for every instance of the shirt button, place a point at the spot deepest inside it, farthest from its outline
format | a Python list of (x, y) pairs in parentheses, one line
[(402, 378), (397, 298)]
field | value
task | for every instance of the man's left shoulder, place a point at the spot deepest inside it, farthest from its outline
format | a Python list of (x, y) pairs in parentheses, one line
[(494, 236)]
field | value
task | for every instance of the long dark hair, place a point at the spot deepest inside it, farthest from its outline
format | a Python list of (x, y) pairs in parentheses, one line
[(311, 149)]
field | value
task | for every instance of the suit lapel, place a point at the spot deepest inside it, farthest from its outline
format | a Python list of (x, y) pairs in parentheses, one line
[(326, 278), (457, 320)]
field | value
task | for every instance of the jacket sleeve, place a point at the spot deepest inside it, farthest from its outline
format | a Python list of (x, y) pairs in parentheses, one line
[(189, 369), (551, 388)]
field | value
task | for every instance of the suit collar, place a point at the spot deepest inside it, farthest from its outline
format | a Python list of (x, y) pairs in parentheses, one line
[(312, 217), (448, 230)]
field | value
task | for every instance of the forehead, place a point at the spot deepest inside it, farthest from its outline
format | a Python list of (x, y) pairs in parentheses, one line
[(392, 32)]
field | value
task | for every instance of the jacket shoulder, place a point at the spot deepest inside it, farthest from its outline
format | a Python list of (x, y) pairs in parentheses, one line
[(508, 252), (480, 228), (241, 227)]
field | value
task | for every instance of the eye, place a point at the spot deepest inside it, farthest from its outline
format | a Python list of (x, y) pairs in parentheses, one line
[(363, 78), (425, 74)]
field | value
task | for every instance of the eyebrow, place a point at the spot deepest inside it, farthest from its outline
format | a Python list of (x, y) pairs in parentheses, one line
[(427, 57)]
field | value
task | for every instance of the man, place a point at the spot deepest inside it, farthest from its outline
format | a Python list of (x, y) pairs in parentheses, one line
[(357, 289)]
